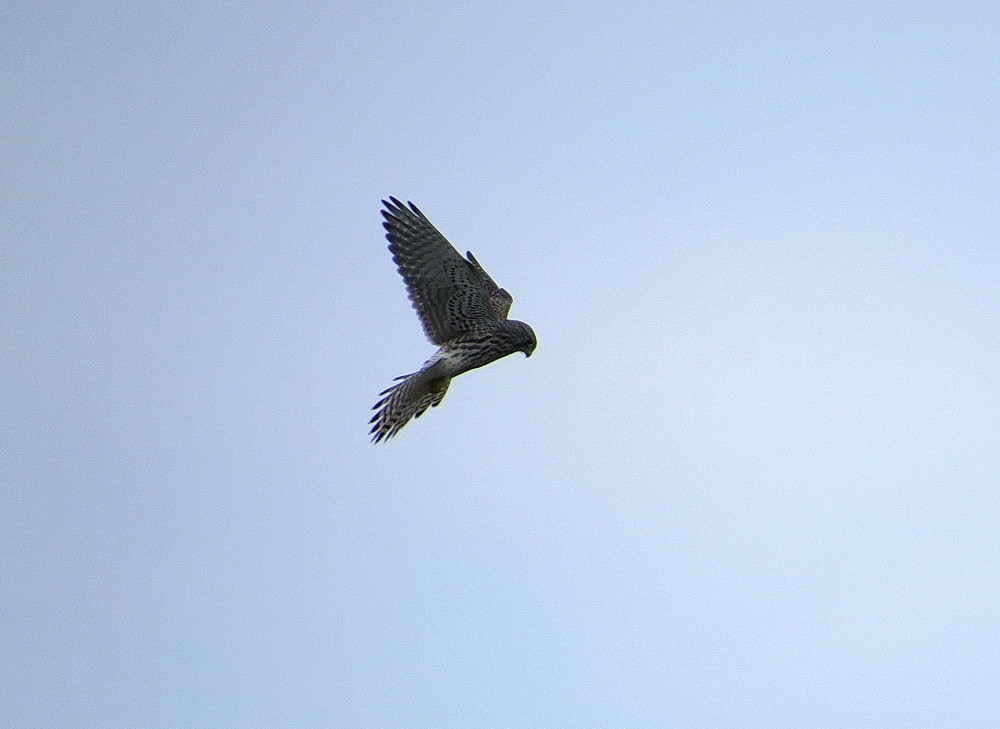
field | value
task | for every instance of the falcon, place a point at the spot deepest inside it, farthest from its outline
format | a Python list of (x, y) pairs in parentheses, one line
[(462, 311)]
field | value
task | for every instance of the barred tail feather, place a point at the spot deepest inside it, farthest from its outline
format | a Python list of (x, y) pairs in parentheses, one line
[(407, 399)]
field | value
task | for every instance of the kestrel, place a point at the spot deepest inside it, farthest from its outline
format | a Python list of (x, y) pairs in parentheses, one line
[(461, 308)]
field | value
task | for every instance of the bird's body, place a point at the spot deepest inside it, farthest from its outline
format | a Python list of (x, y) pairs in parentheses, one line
[(461, 308)]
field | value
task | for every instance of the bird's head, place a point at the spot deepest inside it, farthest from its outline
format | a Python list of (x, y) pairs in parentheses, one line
[(525, 338)]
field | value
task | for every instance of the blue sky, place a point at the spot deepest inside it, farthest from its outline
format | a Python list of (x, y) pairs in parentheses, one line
[(748, 479)]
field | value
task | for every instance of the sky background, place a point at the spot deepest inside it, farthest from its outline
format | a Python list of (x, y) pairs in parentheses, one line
[(748, 479)]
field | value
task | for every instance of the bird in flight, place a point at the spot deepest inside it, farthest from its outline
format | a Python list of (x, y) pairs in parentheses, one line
[(462, 310)]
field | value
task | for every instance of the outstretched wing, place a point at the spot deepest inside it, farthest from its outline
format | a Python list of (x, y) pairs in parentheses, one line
[(449, 292)]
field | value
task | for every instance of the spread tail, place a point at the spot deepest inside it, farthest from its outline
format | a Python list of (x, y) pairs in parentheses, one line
[(408, 398)]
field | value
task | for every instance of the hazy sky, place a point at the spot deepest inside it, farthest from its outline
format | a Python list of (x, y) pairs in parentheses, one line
[(748, 479)]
